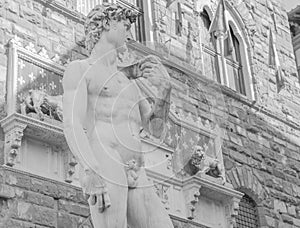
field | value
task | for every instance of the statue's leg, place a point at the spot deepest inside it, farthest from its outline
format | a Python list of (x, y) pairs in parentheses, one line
[(145, 208), (113, 173), (114, 216)]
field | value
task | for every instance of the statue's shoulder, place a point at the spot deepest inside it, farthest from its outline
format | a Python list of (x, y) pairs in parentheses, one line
[(75, 69), (77, 66), (73, 73)]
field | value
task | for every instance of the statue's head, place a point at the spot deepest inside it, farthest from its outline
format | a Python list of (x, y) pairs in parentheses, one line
[(112, 19)]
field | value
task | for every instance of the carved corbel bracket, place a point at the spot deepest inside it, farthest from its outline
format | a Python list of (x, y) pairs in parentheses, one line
[(13, 132), (163, 194), (231, 210), (192, 195), (70, 167)]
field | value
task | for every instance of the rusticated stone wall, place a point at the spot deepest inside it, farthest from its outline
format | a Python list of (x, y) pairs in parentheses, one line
[(261, 145), (255, 17), (32, 201)]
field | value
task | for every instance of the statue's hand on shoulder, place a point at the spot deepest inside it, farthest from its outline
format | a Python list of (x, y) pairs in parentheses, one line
[(153, 70), (157, 79), (95, 188)]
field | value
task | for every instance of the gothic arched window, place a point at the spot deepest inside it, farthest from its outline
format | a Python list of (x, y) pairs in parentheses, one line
[(209, 48), (235, 71), (247, 215), (234, 64)]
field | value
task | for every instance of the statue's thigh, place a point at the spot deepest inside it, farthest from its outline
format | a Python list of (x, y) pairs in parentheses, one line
[(145, 208), (114, 216)]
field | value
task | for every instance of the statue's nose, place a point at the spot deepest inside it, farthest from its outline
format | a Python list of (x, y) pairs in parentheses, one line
[(129, 36)]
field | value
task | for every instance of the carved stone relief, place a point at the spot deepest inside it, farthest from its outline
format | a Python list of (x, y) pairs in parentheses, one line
[(35, 82), (201, 164), (42, 104), (70, 166), (162, 192), (192, 194), (13, 138)]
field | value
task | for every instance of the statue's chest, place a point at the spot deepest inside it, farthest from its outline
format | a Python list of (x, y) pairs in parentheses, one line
[(110, 85)]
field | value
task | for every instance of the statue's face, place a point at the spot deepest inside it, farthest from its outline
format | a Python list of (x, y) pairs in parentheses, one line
[(118, 32)]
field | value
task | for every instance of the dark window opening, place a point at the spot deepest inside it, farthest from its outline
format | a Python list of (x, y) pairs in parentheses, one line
[(210, 55), (234, 63), (247, 215)]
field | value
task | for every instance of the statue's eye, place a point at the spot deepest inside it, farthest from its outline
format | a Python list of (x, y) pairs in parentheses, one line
[(127, 26)]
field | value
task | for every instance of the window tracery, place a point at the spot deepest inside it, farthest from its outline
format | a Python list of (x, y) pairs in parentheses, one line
[(237, 75), (209, 48)]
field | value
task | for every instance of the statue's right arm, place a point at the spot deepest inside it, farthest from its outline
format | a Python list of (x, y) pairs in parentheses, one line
[(74, 111)]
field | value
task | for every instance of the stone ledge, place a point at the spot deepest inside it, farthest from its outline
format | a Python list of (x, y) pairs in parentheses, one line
[(35, 128), (70, 13), (187, 222)]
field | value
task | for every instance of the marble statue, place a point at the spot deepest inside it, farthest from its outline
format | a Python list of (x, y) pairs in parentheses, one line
[(104, 111)]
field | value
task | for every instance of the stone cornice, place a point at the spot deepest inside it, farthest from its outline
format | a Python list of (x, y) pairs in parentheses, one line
[(218, 190), (27, 174), (222, 190), (35, 128), (74, 15), (187, 221), (64, 10)]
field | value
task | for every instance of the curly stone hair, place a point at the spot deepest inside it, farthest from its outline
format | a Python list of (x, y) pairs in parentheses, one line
[(101, 15)]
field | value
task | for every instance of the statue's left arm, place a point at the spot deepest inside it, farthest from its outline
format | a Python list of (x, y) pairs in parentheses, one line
[(154, 110)]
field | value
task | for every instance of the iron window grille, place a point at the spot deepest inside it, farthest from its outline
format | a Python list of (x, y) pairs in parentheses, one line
[(247, 214)]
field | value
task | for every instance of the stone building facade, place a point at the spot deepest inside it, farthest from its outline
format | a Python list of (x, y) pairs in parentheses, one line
[(229, 107), (295, 24)]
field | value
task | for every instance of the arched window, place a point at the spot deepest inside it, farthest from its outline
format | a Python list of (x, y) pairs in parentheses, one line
[(209, 49), (234, 64), (206, 37), (247, 215), (236, 74)]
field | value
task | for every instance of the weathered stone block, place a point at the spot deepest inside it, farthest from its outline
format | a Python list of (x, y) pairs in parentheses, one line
[(23, 32), (14, 7), (241, 131), (59, 18), (235, 139), (70, 221), (74, 208), (280, 206), (291, 210), (39, 199), (36, 214), (279, 173), (287, 219), (296, 222), (6, 191), (44, 42)]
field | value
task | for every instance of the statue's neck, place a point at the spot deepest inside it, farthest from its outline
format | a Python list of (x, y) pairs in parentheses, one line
[(105, 53)]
